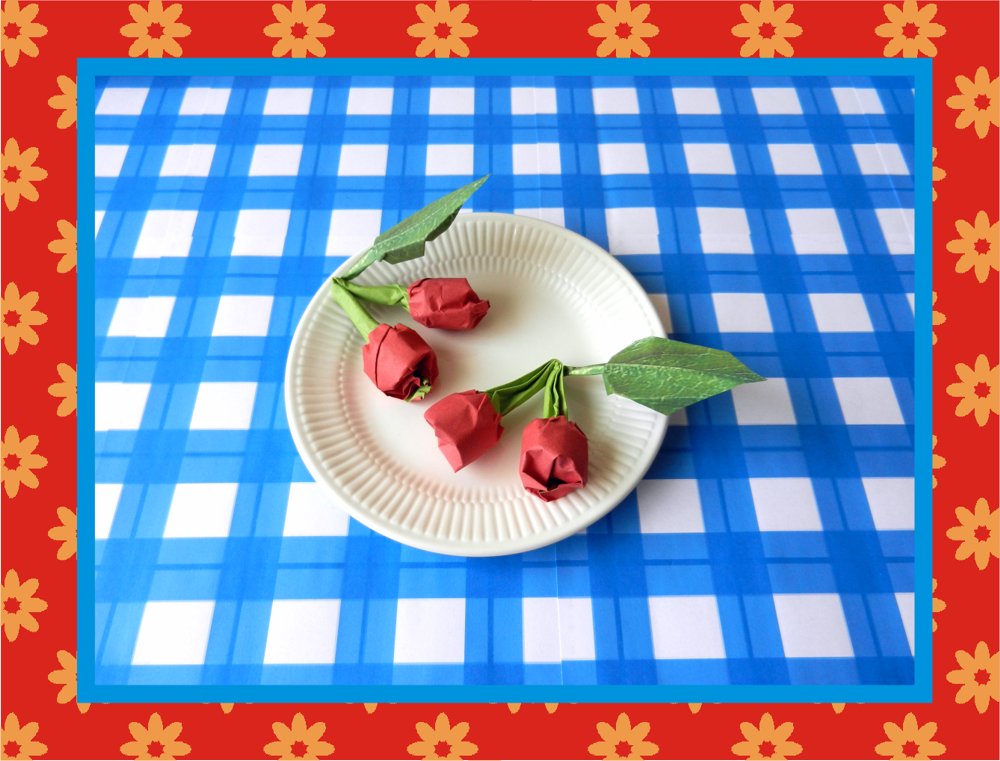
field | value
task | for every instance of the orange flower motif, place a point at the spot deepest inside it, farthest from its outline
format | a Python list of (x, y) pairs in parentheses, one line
[(937, 605), (910, 29), (64, 533), (442, 740), (65, 101), (65, 246), (66, 676), (623, 740), (18, 174), (65, 389), (937, 318), (19, 318), (838, 707), (19, 460), (155, 29), (155, 740), (549, 707), (442, 29), (19, 742), (977, 676), (979, 246), (298, 29), (19, 603), (18, 27), (694, 707), (977, 389), (766, 29), (227, 707), (298, 741), (978, 100), (937, 461), (978, 532), (370, 707), (623, 29), (937, 173), (767, 740), (910, 740)]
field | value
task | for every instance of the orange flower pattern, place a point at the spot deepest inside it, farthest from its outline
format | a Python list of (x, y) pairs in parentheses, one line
[(19, 318), (978, 533), (64, 533), (65, 246), (65, 389), (978, 246), (442, 29), (19, 174), (442, 740), (19, 461), (298, 29), (910, 740), (66, 677), (937, 605), (19, 30), (19, 605), (937, 318), (623, 740), (766, 29), (154, 740), (18, 741), (937, 173), (977, 677), (65, 102), (623, 29), (937, 461), (300, 740), (977, 101), (910, 29), (977, 390), (766, 740), (155, 29)]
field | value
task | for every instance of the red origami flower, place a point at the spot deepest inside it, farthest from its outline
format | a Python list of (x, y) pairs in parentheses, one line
[(446, 302), (399, 362), (467, 425), (553, 457)]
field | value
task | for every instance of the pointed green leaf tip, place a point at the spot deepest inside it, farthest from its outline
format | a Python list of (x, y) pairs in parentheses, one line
[(407, 239), (667, 375)]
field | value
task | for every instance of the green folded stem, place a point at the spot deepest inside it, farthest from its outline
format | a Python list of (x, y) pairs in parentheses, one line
[(358, 315), (386, 295), (554, 401), (512, 395), (585, 370)]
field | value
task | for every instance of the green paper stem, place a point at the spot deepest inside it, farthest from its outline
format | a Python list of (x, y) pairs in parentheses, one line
[(554, 401), (358, 315), (386, 295), (585, 370), (512, 395)]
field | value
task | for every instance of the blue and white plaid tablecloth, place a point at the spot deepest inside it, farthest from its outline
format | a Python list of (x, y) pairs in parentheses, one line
[(771, 542)]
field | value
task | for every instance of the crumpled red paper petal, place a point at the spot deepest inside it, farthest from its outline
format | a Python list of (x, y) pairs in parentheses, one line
[(467, 426), (398, 361), (446, 302), (554, 458)]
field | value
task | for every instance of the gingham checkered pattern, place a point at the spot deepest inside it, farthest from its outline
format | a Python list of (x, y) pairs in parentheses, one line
[(771, 541)]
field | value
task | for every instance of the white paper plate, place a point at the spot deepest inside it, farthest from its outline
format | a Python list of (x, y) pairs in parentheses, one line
[(553, 293)]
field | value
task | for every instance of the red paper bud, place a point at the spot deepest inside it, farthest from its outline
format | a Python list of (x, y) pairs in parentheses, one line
[(467, 425), (553, 458), (446, 302), (399, 362)]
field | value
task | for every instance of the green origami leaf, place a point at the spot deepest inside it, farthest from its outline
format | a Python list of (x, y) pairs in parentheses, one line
[(408, 238), (667, 375)]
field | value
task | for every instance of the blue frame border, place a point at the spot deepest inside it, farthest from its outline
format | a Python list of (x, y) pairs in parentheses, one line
[(88, 69)]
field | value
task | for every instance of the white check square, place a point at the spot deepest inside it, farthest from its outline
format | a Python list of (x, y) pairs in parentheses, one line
[(536, 158), (275, 161), (696, 100), (223, 405), (813, 626), (200, 510), (119, 406), (453, 101), (173, 633), (242, 316), (622, 158), (166, 232), (891, 501), (557, 629), (709, 158), (187, 160), (106, 498), (205, 101), (724, 231), (857, 100), (141, 317), (815, 231), (363, 160), (880, 158), (109, 160), (868, 401), (302, 631), (260, 232), (742, 313), (122, 101), (632, 230), (794, 158), (615, 100), (288, 101), (449, 160), (430, 630), (532, 100), (776, 100), (310, 512), (369, 101), (840, 313), (555, 215), (897, 229), (670, 506), (785, 504), (686, 627), (765, 403), (352, 230)]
